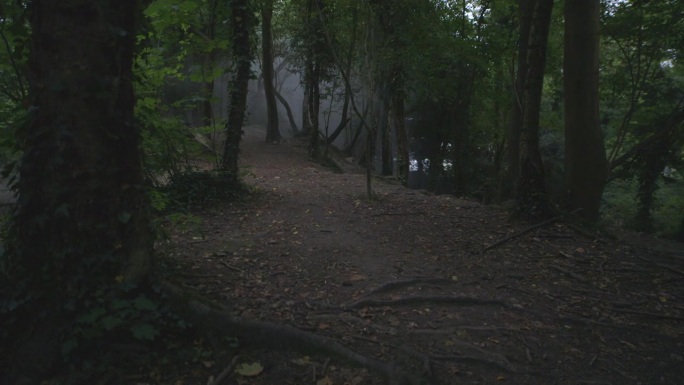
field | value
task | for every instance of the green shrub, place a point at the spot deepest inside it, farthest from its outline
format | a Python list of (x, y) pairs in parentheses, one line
[(620, 206)]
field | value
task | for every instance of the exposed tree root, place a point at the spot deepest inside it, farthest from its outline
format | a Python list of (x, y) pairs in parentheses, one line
[(406, 213), (666, 267), (569, 273), (211, 316), (523, 232), (351, 321), (224, 373), (648, 314), (466, 351), (409, 282), (425, 359), (450, 300), (455, 329)]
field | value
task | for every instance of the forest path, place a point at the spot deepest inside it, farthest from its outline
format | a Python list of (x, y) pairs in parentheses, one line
[(405, 278)]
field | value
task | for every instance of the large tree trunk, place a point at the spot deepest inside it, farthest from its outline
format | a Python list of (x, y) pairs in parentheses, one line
[(586, 168), (82, 219), (272, 132), (532, 198), (512, 173), (242, 26)]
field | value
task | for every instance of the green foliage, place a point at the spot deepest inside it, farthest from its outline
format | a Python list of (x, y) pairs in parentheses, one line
[(621, 202), (116, 315), (201, 187), (641, 100), (178, 57), (14, 35), (669, 212)]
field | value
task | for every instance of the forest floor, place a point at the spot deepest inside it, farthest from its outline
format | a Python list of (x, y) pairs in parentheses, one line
[(408, 278)]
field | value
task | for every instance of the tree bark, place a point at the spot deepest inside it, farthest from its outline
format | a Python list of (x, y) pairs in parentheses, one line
[(81, 172), (288, 110), (82, 219), (242, 26), (208, 68), (272, 131), (510, 177), (398, 116), (586, 167), (532, 198), (385, 131), (306, 120), (314, 112)]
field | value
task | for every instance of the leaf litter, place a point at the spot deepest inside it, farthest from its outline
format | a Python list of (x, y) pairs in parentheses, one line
[(411, 278)]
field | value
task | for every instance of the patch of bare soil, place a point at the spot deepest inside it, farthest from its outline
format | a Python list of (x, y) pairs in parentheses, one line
[(408, 279)]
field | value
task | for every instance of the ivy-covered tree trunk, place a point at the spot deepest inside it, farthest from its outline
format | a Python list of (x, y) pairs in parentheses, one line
[(82, 222), (532, 198), (586, 167), (272, 131), (242, 20), (315, 46), (655, 154)]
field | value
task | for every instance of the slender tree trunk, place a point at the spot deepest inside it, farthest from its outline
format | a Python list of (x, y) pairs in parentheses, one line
[(532, 198), (306, 120), (82, 219), (207, 108), (272, 131), (344, 120), (385, 132), (586, 167), (399, 118), (350, 147), (242, 25), (314, 111), (210, 61), (288, 110)]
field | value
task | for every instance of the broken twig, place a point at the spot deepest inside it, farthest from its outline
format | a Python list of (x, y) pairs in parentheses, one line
[(524, 231)]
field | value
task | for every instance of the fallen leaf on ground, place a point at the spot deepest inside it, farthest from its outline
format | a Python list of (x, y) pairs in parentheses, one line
[(358, 277), (249, 370)]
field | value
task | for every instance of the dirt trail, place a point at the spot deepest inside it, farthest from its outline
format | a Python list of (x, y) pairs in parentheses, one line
[(404, 278)]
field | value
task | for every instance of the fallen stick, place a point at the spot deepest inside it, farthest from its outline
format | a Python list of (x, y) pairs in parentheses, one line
[(666, 267), (648, 314), (524, 231), (568, 273), (450, 300), (225, 373), (409, 282)]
